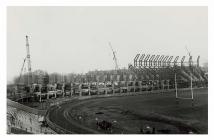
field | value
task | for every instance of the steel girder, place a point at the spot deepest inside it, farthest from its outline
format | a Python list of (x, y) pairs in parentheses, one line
[(159, 66), (146, 60), (151, 61), (156, 61), (165, 61), (198, 61), (160, 60), (169, 61), (141, 60), (176, 60), (135, 60)]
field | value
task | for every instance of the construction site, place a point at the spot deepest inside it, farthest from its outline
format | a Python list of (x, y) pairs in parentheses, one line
[(132, 100)]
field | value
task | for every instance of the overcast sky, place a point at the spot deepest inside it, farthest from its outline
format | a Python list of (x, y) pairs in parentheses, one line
[(75, 39)]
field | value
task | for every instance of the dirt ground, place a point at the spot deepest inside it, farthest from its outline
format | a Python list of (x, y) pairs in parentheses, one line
[(134, 114)]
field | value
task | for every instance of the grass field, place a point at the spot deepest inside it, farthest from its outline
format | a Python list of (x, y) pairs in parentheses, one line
[(132, 114)]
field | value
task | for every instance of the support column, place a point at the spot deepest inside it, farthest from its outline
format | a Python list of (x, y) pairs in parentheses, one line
[(158, 84), (127, 87), (176, 89), (163, 84), (119, 83), (71, 92), (40, 97), (98, 88), (105, 88), (153, 83), (168, 84), (89, 89), (63, 90), (113, 92), (140, 86), (55, 91), (71, 89), (80, 90), (192, 91)]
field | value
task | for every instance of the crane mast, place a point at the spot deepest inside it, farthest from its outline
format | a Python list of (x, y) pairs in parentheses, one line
[(21, 71), (114, 57), (188, 51), (190, 57), (28, 62)]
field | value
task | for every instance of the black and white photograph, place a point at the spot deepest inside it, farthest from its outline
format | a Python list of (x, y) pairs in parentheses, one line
[(107, 70)]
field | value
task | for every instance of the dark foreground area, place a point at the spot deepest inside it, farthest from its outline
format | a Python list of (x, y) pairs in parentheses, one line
[(18, 131), (140, 114)]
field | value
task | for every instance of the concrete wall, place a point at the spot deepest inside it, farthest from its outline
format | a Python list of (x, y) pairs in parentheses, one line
[(19, 117)]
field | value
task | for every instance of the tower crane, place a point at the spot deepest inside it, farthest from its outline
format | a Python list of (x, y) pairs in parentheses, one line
[(27, 58), (187, 51), (114, 57), (28, 62), (190, 57), (21, 70)]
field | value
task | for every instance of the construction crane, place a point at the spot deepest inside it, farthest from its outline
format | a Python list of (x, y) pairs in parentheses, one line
[(29, 73), (190, 57), (28, 62), (21, 71), (187, 51), (114, 57)]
